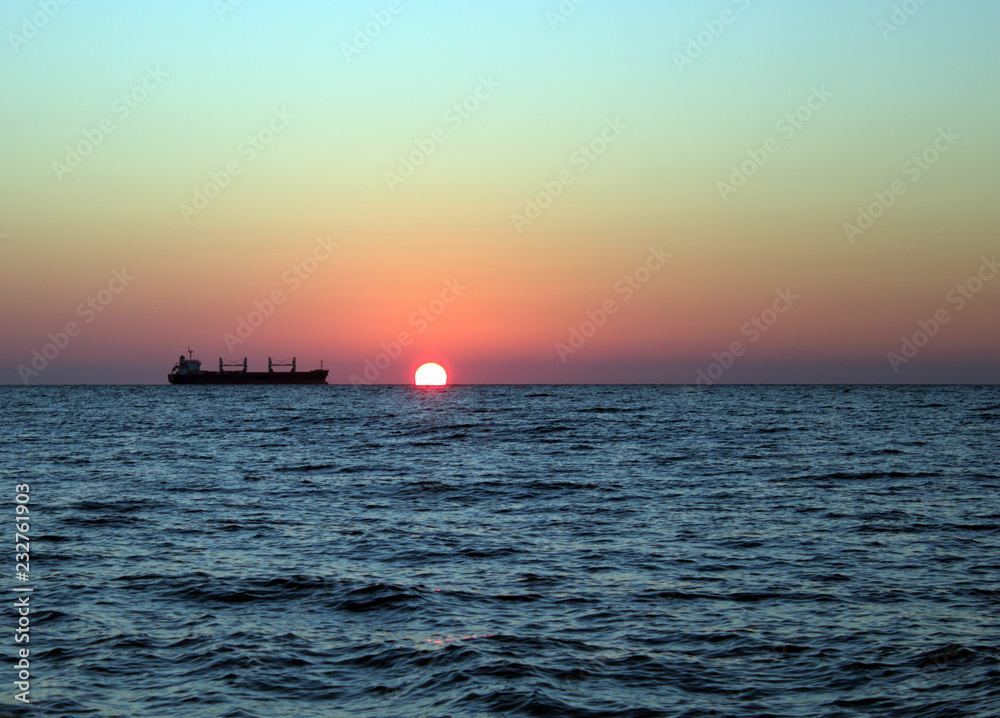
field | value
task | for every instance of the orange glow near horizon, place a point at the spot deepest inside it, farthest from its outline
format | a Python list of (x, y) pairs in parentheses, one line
[(430, 375)]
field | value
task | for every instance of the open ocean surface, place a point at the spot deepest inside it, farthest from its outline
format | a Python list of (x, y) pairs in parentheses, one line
[(489, 551)]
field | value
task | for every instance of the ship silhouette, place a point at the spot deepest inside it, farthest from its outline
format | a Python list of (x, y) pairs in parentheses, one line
[(189, 371)]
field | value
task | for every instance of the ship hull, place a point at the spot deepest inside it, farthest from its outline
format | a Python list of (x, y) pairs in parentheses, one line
[(317, 376)]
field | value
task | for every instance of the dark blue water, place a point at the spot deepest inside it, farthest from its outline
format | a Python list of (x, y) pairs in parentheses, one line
[(489, 551)]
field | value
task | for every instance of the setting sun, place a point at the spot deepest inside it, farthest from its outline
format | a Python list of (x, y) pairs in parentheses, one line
[(430, 375)]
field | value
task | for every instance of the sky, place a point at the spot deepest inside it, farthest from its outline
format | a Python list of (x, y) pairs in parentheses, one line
[(733, 191)]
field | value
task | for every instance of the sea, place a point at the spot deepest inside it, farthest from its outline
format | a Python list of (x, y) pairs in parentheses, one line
[(579, 551)]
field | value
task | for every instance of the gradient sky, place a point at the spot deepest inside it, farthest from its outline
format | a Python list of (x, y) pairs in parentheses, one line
[(200, 77)]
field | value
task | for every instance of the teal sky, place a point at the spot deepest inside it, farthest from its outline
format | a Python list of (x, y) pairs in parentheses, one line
[(604, 56), (557, 81)]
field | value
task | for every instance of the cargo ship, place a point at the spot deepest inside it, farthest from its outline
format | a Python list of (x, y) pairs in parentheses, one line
[(189, 371)]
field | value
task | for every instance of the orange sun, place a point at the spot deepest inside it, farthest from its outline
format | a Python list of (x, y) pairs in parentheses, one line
[(430, 375)]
